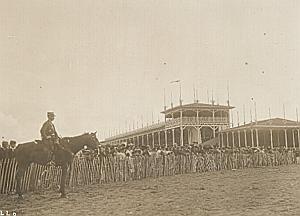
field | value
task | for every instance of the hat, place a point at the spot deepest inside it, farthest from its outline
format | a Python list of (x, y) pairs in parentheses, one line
[(4, 144), (50, 114)]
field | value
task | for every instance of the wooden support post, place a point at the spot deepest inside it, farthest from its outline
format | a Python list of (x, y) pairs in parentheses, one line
[(239, 136), (257, 142), (298, 138), (158, 138), (271, 134), (227, 140), (166, 138), (252, 140), (181, 136), (245, 136), (232, 133), (181, 129), (147, 136), (173, 136), (222, 139), (200, 135), (152, 140), (285, 137), (294, 144)]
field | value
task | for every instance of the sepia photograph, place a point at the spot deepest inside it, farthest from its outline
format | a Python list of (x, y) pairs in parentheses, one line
[(150, 107)]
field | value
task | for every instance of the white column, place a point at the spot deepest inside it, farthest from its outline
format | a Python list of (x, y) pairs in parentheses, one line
[(158, 138), (166, 138), (147, 139), (198, 132), (239, 135), (227, 139), (152, 140), (285, 137), (245, 136), (232, 133), (222, 139), (271, 134), (181, 129), (257, 143), (252, 140), (298, 138), (200, 135), (294, 144), (142, 139), (173, 136), (181, 135)]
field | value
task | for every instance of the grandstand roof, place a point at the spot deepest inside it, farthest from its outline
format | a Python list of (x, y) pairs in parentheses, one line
[(197, 106), (138, 131), (268, 123)]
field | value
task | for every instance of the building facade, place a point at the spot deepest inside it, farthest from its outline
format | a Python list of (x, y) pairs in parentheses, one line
[(184, 124), (270, 133)]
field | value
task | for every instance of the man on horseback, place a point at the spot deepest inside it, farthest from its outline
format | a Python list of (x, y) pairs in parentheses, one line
[(49, 134)]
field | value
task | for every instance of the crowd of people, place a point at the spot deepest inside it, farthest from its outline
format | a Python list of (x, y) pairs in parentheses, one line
[(7, 149), (131, 150)]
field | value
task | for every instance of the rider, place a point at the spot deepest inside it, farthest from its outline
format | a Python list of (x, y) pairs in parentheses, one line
[(48, 132)]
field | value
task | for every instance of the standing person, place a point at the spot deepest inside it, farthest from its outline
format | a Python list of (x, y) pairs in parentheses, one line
[(12, 147), (5, 149)]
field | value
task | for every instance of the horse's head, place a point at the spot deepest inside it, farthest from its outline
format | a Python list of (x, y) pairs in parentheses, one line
[(92, 141)]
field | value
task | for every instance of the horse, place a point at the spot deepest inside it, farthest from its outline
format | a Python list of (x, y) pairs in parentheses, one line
[(40, 153)]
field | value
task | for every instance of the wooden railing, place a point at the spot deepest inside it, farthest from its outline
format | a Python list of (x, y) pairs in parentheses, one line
[(114, 169), (196, 121)]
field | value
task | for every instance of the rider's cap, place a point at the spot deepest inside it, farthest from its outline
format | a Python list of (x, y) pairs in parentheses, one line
[(50, 114)]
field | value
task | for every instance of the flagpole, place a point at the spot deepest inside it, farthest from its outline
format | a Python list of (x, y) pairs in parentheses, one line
[(228, 98), (165, 106), (244, 114), (194, 93), (180, 99)]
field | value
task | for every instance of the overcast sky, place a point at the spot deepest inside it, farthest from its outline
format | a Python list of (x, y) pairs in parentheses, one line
[(100, 65)]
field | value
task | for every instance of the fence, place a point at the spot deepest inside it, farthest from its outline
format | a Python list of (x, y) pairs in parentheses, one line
[(114, 169)]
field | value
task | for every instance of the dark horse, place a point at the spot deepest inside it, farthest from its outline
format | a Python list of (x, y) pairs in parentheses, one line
[(40, 153)]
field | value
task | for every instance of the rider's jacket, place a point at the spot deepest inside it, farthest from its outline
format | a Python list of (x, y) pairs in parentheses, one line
[(48, 131)]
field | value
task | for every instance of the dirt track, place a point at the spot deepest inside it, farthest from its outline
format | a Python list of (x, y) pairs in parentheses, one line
[(261, 191)]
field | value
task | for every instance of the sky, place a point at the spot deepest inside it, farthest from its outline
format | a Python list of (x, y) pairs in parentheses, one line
[(101, 65)]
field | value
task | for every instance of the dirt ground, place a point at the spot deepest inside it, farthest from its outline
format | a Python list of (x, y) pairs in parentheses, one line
[(259, 191)]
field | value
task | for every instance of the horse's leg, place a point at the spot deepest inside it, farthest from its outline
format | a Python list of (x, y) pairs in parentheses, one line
[(20, 173), (63, 180)]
